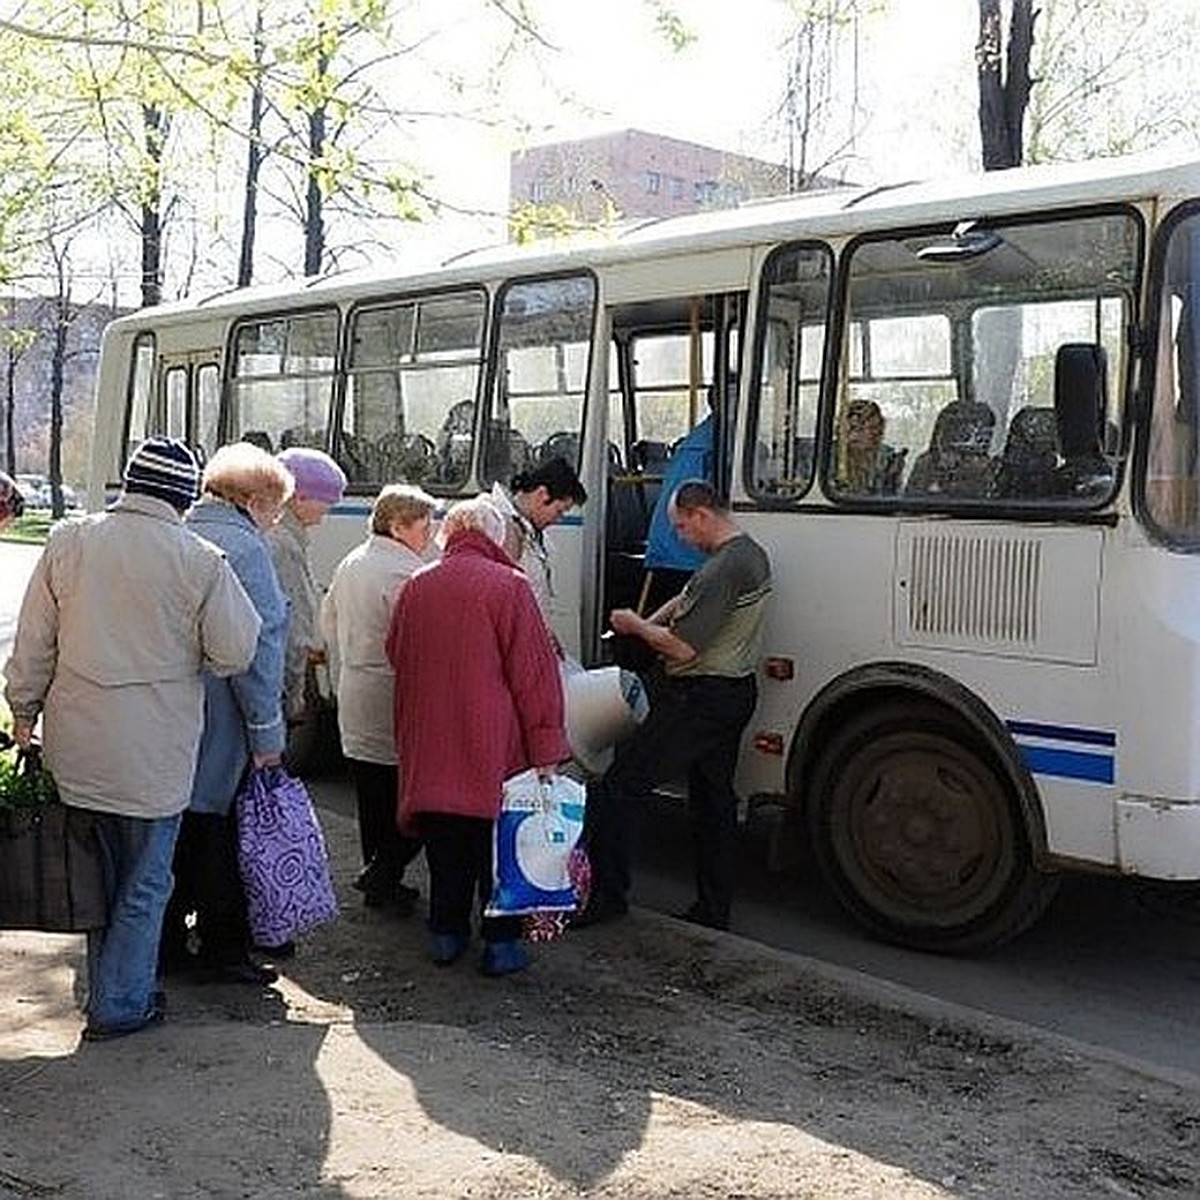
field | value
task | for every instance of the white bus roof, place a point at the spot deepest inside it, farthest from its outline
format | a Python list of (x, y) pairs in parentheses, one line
[(830, 213)]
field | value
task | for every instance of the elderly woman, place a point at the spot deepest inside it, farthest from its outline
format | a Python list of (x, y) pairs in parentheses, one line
[(355, 616), (244, 491), (319, 483), (478, 699)]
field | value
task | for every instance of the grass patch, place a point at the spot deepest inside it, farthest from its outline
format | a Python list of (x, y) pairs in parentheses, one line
[(32, 528)]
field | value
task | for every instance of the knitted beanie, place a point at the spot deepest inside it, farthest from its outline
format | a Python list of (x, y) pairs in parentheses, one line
[(317, 476), (165, 468)]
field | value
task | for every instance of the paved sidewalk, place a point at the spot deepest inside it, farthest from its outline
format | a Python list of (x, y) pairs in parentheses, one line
[(642, 1059)]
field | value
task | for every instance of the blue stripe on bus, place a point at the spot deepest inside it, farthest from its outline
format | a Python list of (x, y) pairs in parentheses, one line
[(1069, 764), (352, 507), (1062, 733)]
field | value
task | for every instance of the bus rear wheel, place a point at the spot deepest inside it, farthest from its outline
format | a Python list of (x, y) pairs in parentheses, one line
[(919, 835)]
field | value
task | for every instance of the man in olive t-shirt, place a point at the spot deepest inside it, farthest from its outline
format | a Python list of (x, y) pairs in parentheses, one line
[(708, 641)]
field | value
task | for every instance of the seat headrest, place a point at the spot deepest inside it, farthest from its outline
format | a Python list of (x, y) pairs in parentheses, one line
[(1034, 430), (963, 426)]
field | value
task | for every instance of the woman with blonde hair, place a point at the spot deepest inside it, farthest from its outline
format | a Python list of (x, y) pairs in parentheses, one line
[(355, 615), (244, 491)]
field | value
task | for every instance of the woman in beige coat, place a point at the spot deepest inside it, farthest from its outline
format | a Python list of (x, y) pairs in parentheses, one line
[(354, 622)]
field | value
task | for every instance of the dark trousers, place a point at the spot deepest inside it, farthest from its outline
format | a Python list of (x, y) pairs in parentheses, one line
[(376, 788), (207, 883), (693, 731), (459, 853)]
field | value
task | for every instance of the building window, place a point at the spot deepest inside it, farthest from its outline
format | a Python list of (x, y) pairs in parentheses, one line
[(653, 182), (676, 188), (705, 191)]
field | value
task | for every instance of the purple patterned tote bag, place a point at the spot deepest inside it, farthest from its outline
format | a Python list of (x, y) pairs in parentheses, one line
[(281, 853)]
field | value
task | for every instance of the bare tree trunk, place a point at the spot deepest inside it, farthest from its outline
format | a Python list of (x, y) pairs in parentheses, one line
[(10, 409), (254, 161), (1004, 81), (154, 124), (61, 310), (314, 219)]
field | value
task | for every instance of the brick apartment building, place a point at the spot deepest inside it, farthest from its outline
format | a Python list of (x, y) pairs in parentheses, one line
[(637, 174)]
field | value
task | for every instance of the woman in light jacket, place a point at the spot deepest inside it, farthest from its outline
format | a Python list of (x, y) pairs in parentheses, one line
[(354, 622), (245, 489), (478, 699)]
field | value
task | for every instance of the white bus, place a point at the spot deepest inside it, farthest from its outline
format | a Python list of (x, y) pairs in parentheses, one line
[(962, 418)]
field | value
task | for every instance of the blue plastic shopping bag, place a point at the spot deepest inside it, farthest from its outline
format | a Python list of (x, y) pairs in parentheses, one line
[(539, 826)]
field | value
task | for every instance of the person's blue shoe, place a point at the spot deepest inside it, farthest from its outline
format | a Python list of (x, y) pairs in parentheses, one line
[(445, 948), (504, 958)]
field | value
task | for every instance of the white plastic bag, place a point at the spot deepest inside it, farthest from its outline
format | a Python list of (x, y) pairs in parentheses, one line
[(603, 706), (538, 828)]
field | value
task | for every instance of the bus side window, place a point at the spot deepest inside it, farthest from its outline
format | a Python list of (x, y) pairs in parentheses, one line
[(786, 376)]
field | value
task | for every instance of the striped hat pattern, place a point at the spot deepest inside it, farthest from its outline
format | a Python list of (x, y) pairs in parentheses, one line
[(165, 468)]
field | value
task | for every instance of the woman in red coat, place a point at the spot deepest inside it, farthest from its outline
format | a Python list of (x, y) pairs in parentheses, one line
[(478, 699)]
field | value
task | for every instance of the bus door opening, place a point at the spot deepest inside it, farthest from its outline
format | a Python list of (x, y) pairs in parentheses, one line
[(671, 417)]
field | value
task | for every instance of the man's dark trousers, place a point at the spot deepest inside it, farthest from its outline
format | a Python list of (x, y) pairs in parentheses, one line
[(693, 731)]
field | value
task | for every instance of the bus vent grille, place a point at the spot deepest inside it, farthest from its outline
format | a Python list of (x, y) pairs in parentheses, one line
[(979, 588)]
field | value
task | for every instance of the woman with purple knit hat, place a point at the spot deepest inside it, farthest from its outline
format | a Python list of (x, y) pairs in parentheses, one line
[(320, 484)]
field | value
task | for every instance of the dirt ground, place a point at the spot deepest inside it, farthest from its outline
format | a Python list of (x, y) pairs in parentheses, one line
[(643, 1059)]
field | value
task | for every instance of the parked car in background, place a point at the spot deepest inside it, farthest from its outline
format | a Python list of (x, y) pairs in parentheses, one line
[(38, 493), (35, 489)]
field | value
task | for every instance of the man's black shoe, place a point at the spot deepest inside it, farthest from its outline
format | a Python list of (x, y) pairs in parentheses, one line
[(598, 910), (697, 914)]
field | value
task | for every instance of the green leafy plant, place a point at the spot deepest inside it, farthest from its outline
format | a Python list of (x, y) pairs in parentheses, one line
[(24, 782)]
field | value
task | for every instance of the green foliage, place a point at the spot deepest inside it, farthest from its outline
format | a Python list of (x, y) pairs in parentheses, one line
[(671, 26), (529, 222), (23, 784), (32, 529)]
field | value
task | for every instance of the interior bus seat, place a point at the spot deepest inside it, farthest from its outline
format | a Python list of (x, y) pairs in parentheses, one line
[(627, 522), (628, 517), (649, 456), (564, 445), (454, 440), (1080, 394), (1029, 463), (298, 435), (958, 462), (770, 475), (649, 461), (508, 452), (260, 438), (349, 454)]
